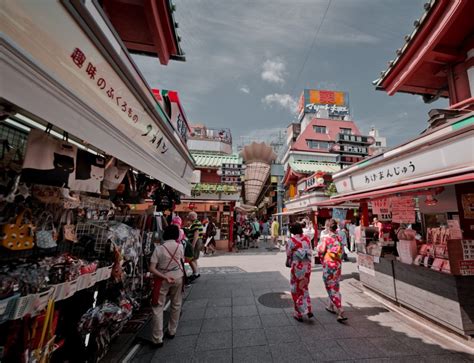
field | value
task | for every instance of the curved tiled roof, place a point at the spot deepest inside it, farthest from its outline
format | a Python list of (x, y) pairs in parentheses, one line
[(208, 160), (309, 167)]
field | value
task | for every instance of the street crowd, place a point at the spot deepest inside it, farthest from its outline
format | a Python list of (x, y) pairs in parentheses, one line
[(303, 245)]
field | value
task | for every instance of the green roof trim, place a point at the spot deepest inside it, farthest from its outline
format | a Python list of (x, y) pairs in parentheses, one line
[(207, 188), (308, 166), (208, 160), (463, 123)]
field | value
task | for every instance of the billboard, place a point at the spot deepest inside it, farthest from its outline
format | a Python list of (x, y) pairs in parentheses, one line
[(335, 102)]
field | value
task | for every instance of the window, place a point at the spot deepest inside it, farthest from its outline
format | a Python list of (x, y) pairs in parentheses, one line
[(316, 144), (378, 143), (320, 129), (346, 131)]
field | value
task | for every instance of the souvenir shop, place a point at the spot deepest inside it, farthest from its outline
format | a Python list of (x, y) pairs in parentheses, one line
[(420, 253), (85, 184)]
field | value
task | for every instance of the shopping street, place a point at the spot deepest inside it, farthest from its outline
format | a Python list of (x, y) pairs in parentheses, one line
[(225, 319)]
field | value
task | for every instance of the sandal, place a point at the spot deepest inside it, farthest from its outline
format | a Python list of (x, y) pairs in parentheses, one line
[(341, 319), (299, 319), (330, 310)]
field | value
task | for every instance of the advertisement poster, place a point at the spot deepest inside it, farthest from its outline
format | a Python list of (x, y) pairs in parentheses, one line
[(454, 229), (468, 249), (366, 264), (403, 210), (339, 214), (466, 268), (382, 208)]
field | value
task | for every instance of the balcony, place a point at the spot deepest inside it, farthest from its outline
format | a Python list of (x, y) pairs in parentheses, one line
[(209, 139), (354, 139)]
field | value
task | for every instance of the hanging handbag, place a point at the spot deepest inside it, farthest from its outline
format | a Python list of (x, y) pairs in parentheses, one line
[(69, 228), (19, 236), (114, 174), (47, 237)]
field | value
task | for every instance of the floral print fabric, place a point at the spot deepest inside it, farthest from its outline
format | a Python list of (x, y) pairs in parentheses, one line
[(330, 252), (299, 253)]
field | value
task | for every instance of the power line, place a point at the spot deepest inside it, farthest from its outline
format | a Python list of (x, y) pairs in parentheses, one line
[(311, 47)]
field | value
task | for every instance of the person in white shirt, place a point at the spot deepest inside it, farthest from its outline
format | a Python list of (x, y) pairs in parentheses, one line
[(167, 266), (351, 228)]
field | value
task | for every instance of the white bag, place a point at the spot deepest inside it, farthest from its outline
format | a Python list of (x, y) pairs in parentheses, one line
[(89, 172), (114, 174)]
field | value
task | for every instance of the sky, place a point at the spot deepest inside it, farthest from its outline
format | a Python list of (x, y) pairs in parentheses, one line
[(248, 61)]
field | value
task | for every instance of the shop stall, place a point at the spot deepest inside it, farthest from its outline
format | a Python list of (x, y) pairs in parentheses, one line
[(419, 252), (90, 167)]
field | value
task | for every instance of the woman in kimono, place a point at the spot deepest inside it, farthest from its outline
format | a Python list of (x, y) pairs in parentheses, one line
[(299, 253), (330, 250)]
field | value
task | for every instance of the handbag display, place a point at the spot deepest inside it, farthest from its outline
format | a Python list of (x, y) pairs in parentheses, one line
[(19, 236), (69, 228), (114, 173), (89, 172), (46, 237), (48, 161)]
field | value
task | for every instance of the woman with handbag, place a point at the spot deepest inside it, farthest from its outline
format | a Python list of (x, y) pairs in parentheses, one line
[(330, 250), (299, 253), (167, 268)]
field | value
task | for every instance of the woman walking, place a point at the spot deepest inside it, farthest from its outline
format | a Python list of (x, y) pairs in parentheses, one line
[(167, 269), (210, 233), (330, 250), (299, 252)]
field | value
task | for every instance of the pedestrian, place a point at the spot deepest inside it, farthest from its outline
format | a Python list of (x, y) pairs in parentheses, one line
[(248, 234), (299, 254), (275, 232), (195, 235), (265, 230), (255, 231), (379, 226), (330, 251), (211, 232), (351, 230), (167, 268), (342, 232), (308, 231)]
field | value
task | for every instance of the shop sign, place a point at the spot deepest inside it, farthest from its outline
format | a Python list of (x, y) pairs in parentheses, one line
[(454, 229), (382, 208), (339, 214), (403, 210), (335, 102), (117, 122), (468, 249), (424, 163), (365, 263), (466, 268), (314, 181)]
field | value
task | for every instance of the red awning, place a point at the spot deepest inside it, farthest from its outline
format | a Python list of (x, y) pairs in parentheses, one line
[(394, 190)]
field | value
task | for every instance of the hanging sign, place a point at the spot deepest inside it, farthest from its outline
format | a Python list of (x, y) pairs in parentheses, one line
[(339, 214), (403, 210), (382, 208)]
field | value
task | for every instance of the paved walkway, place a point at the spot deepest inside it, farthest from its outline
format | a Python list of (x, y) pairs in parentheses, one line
[(239, 311)]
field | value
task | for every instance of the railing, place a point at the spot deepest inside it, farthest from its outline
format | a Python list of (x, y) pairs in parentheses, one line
[(204, 133)]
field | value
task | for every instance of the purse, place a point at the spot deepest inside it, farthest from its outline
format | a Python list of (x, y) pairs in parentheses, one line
[(19, 236), (69, 229), (46, 238)]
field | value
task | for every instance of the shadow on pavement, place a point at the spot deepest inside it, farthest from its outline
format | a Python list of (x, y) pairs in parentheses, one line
[(223, 320)]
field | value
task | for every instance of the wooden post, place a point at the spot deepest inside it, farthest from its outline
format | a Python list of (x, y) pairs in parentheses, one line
[(364, 218)]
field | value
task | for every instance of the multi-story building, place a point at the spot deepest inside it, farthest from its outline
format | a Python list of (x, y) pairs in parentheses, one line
[(217, 179), (380, 142), (324, 140)]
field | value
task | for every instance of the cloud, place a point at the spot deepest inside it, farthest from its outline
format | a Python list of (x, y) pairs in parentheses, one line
[(284, 101), (274, 71), (244, 89)]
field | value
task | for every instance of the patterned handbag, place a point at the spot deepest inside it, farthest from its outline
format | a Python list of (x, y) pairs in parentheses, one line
[(69, 229), (19, 236), (46, 237)]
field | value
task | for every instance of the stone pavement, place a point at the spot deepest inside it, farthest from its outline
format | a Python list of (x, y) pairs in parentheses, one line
[(240, 311)]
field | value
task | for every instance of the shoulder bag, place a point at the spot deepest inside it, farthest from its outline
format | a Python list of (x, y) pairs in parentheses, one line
[(46, 237), (19, 236)]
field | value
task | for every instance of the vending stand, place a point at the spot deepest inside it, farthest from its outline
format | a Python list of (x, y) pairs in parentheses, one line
[(421, 255)]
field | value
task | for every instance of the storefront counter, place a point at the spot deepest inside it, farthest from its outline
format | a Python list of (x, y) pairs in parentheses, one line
[(442, 298), (378, 276), (436, 295)]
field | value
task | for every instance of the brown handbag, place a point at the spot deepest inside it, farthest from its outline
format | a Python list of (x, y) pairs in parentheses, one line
[(19, 236), (69, 229)]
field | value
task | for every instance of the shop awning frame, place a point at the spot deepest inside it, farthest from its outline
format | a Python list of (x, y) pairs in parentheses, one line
[(464, 178)]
